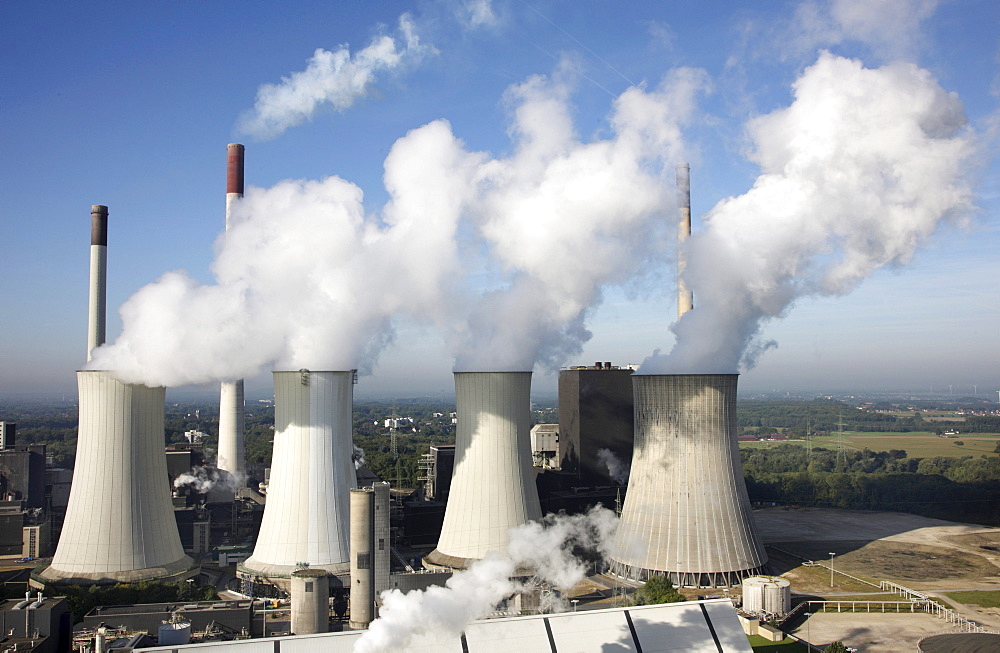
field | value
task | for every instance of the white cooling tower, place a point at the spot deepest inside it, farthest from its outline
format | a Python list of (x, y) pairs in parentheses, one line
[(686, 513), (232, 453), (493, 486), (306, 518), (119, 522)]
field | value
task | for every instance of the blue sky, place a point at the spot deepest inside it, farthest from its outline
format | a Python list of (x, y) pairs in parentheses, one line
[(132, 104)]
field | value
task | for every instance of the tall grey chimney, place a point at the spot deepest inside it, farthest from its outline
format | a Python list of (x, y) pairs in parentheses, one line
[(98, 278)]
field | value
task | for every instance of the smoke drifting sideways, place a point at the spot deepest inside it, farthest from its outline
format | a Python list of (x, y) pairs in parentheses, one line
[(442, 613), (564, 218), (307, 279), (335, 78), (856, 174)]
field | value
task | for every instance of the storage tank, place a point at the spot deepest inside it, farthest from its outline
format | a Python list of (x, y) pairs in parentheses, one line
[(174, 633), (766, 595), (310, 602), (119, 522), (493, 486), (687, 514), (308, 497)]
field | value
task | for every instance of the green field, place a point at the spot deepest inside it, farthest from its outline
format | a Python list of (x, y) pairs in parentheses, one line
[(983, 599), (916, 444)]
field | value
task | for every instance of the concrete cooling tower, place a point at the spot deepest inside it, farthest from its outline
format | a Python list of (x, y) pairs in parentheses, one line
[(686, 513), (306, 518), (119, 523), (493, 486)]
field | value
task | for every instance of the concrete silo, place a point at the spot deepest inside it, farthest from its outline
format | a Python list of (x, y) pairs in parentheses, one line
[(306, 518), (493, 486), (232, 453), (686, 513), (119, 521)]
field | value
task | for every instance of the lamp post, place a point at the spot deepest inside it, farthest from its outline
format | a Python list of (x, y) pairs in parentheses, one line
[(808, 635), (831, 567), (574, 602)]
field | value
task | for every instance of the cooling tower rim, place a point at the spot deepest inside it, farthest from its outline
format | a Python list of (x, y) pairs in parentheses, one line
[(115, 374), (493, 372), (684, 374)]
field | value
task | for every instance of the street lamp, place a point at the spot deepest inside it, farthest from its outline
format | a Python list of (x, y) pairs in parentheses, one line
[(808, 636), (831, 567), (574, 602)]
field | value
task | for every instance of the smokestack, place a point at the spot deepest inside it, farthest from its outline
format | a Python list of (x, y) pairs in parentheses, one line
[(493, 487), (686, 513), (312, 474), (685, 299), (119, 523), (232, 413), (98, 278), (362, 564)]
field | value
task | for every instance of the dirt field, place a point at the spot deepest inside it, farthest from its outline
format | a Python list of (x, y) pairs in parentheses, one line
[(929, 555), (915, 445)]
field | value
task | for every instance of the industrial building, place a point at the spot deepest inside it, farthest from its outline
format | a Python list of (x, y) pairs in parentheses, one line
[(686, 513), (595, 412), (696, 626), (35, 623), (493, 487), (233, 617)]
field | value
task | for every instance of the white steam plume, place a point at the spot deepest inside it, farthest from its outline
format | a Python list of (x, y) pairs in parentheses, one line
[(563, 217), (336, 78), (358, 457), (304, 278), (546, 548), (617, 469), (857, 173), (202, 480)]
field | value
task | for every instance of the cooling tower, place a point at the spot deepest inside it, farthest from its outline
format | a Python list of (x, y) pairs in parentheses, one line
[(493, 485), (232, 415), (119, 522), (686, 513), (98, 277), (306, 518)]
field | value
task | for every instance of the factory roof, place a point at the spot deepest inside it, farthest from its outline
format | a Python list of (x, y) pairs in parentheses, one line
[(710, 625)]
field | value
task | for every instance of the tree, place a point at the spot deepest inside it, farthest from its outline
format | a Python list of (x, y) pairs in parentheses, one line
[(836, 647), (658, 589)]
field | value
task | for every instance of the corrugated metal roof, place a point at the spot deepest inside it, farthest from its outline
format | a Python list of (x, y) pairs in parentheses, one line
[(710, 626)]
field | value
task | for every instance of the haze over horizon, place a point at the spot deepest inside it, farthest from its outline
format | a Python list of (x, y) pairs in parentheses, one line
[(138, 120)]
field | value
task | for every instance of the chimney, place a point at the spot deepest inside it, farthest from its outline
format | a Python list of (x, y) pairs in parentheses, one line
[(232, 403), (98, 278), (685, 299)]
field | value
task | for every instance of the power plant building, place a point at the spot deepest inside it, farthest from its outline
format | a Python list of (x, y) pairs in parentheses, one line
[(595, 412), (306, 518), (686, 514), (493, 486)]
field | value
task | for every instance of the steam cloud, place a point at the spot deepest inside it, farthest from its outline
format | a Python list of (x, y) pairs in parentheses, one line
[(857, 173), (202, 480), (617, 469), (358, 457), (546, 547), (318, 288), (335, 78)]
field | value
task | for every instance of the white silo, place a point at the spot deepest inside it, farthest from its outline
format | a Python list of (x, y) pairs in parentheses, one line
[(766, 596), (308, 500), (493, 486), (119, 521), (232, 416), (687, 514)]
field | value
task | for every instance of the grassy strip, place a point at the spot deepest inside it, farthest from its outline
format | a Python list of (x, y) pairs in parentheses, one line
[(982, 598), (787, 645)]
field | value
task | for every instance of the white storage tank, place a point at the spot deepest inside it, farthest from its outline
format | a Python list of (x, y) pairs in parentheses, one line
[(766, 595), (174, 633)]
